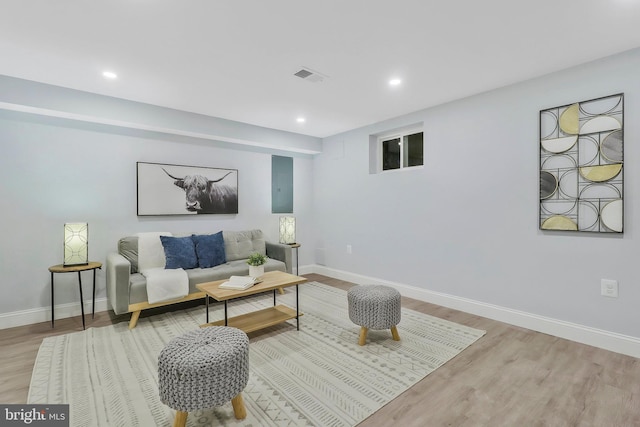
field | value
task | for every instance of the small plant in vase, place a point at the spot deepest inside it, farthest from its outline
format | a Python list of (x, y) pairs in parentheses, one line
[(256, 264)]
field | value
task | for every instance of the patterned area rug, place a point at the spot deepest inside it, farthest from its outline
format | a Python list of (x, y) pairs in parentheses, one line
[(318, 376)]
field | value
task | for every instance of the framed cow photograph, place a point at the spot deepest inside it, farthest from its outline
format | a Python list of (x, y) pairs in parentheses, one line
[(166, 189)]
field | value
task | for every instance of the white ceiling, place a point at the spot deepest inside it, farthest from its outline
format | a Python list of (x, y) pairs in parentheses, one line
[(236, 59)]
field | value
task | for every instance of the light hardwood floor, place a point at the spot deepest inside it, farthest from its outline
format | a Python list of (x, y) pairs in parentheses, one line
[(510, 377)]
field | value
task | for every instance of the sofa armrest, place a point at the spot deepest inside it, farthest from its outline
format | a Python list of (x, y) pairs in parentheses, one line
[(281, 252), (118, 276)]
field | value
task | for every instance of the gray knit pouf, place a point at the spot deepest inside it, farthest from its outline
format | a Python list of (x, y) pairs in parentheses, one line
[(374, 307), (204, 368)]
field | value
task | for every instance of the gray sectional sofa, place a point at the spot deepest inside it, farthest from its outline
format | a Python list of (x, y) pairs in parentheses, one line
[(127, 288)]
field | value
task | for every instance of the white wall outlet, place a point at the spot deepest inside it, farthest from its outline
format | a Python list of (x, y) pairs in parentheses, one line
[(609, 288), (349, 249)]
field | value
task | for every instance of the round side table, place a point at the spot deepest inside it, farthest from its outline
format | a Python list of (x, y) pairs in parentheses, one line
[(61, 268), (296, 246)]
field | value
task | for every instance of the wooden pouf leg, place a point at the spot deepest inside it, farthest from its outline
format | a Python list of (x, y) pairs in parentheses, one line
[(238, 407), (181, 419), (363, 336), (394, 333)]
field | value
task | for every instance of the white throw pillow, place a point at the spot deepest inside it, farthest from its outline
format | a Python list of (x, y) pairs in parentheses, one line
[(150, 250)]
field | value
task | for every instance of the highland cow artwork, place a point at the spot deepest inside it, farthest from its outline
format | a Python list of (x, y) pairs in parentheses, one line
[(165, 189)]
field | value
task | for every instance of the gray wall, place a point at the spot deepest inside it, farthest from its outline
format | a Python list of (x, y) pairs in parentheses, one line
[(466, 224), (55, 171)]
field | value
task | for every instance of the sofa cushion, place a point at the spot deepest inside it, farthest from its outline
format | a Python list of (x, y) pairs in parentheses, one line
[(209, 249), (237, 245), (241, 244), (128, 248), (180, 252)]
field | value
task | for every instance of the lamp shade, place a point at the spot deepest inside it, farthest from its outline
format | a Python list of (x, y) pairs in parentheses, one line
[(287, 229), (76, 251)]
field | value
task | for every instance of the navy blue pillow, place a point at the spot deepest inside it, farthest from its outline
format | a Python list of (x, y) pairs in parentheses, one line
[(209, 249), (179, 252)]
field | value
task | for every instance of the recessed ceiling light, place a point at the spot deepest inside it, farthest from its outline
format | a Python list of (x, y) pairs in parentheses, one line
[(109, 75), (301, 120), (395, 82)]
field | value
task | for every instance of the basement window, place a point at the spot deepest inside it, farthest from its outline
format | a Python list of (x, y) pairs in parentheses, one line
[(397, 149), (402, 150)]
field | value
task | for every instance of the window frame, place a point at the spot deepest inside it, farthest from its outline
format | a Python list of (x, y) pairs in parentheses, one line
[(398, 134)]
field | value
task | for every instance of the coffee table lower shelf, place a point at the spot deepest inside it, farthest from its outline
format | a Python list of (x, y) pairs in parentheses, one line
[(257, 320)]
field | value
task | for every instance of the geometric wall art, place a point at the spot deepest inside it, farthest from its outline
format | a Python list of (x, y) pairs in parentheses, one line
[(581, 166)]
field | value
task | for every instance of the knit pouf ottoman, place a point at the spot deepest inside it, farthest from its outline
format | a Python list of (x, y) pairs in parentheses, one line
[(204, 368), (374, 307)]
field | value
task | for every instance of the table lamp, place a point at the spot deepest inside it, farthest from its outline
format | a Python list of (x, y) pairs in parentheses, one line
[(287, 230), (76, 243)]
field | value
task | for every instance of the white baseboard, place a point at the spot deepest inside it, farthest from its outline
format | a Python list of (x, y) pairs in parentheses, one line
[(611, 341), (43, 314)]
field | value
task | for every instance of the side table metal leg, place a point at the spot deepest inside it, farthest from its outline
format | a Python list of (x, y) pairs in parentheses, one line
[(297, 311), (52, 317), (93, 302), (81, 298), (206, 299)]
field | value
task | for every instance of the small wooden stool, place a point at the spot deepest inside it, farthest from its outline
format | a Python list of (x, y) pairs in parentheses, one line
[(374, 307), (202, 369)]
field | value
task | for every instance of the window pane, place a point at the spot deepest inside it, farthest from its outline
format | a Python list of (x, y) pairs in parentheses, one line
[(413, 150), (391, 154)]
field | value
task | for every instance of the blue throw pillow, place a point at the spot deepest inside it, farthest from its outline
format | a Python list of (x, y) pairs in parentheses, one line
[(179, 252), (209, 249)]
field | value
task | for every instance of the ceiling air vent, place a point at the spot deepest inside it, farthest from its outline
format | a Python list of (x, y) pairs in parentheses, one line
[(310, 75)]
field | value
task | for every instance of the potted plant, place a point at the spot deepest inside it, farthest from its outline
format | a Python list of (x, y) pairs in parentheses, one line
[(256, 264)]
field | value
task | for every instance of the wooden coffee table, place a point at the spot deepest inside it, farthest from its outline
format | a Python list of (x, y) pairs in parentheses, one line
[(260, 319)]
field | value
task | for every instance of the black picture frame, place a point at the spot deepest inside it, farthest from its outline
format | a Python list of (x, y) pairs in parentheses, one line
[(170, 189), (582, 166)]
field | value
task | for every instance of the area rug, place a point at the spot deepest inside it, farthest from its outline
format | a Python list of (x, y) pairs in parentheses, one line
[(317, 376)]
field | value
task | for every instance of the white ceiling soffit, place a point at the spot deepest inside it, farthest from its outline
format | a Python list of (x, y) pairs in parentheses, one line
[(235, 59), (150, 128)]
